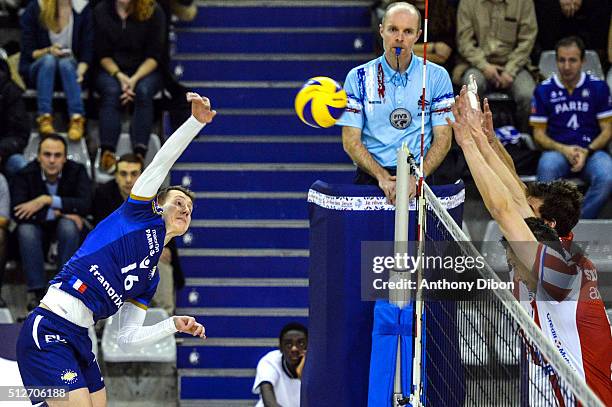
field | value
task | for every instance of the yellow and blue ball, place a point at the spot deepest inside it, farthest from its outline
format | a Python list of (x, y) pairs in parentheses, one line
[(320, 102)]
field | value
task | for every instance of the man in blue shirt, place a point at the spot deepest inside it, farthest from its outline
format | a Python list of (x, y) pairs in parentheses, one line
[(571, 115), (384, 108), (113, 272)]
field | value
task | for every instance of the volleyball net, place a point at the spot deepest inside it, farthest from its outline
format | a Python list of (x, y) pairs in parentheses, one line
[(485, 349)]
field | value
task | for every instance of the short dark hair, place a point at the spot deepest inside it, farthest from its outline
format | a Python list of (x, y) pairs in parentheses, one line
[(561, 203), (56, 137), (162, 194), (543, 234), (131, 158), (568, 42), (292, 326)]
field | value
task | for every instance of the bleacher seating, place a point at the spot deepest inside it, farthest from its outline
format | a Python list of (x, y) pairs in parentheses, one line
[(245, 257), (5, 316), (124, 146), (592, 64), (77, 150)]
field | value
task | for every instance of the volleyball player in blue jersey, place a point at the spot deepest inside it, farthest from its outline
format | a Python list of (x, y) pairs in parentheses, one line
[(113, 271)]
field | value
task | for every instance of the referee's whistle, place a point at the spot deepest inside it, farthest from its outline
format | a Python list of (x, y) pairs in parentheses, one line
[(398, 51)]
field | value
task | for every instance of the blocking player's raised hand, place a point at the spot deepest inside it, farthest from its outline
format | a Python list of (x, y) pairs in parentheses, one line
[(461, 112), (189, 325), (487, 126), (200, 107)]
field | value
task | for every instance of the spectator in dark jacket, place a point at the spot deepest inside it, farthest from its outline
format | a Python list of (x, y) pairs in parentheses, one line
[(14, 123), (57, 37), (49, 197), (129, 45)]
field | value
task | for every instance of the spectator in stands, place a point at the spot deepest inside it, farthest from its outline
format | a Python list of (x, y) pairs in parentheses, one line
[(129, 44), (440, 32), (495, 39), (110, 196), (571, 118), (49, 196), (609, 76), (14, 123), (5, 214), (57, 38), (384, 107), (588, 19), (277, 380)]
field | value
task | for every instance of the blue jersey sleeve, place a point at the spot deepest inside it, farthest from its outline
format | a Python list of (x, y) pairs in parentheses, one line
[(353, 114), (442, 98), (539, 113), (144, 299), (603, 101), (141, 209)]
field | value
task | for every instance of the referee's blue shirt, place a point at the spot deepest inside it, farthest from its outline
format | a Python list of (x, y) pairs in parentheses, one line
[(386, 106)]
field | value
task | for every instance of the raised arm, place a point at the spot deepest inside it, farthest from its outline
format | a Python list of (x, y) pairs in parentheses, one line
[(151, 179), (496, 196)]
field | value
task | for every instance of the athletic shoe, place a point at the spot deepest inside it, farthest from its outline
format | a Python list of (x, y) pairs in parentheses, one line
[(45, 124), (76, 127)]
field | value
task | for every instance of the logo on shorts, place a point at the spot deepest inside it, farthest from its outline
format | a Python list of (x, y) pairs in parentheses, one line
[(54, 338), (152, 272), (69, 376), (400, 118)]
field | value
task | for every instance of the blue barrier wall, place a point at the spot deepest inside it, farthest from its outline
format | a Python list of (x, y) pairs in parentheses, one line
[(340, 323)]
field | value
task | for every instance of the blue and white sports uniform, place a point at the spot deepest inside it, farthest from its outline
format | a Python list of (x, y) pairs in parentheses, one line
[(52, 351), (118, 260), (571, 119), (386, 106), (115, 270)]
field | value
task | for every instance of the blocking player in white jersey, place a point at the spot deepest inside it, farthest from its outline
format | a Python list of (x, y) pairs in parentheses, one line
[(113, 271), (550, 274)]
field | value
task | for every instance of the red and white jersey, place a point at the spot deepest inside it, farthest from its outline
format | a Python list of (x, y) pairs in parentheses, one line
[(591, 322), (571, 313)]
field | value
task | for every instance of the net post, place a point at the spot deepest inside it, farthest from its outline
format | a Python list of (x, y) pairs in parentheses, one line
[(400, 298)]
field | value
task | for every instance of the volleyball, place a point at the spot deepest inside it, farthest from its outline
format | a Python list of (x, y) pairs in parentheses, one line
[(320, 102)]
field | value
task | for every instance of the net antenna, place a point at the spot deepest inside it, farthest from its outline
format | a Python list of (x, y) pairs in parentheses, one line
[(417, 359)]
